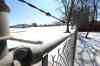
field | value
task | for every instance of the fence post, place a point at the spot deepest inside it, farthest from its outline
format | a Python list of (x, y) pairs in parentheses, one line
[(4, 28), (75, 42), (45, 60), (3, 48)]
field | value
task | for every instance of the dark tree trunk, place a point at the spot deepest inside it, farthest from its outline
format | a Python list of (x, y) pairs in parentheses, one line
[(67, 28), (87, 35)]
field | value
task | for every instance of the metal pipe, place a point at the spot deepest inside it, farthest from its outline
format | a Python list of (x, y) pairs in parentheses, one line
[(38, 51), (43, 47)]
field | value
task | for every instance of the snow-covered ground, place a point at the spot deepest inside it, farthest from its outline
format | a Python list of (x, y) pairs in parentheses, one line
[(88, 50), (44, 34)]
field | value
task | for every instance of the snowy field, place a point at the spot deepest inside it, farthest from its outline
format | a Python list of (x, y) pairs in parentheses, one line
[(44, 34), (88, 50)]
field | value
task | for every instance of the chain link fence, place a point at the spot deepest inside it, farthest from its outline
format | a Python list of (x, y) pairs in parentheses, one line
[(64, 53)]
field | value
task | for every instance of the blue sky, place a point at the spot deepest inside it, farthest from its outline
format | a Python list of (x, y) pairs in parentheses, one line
[(21, 13)]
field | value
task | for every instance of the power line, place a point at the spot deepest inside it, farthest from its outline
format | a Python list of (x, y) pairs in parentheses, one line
[(46, 13)]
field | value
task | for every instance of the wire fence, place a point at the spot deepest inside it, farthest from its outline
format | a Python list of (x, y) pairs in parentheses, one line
[(65, 54)]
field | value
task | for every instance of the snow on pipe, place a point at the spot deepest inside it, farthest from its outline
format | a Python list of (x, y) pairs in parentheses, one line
[(46, 13), (47, 47), (44, 48)]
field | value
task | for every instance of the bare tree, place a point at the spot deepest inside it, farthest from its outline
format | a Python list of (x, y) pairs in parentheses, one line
[(67, 8), (67, 15), (78, 12)]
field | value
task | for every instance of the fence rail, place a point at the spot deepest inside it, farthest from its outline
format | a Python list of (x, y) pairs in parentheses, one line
[(41, 51)]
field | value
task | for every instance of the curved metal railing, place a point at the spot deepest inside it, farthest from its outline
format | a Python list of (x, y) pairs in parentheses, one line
[(65, 58)]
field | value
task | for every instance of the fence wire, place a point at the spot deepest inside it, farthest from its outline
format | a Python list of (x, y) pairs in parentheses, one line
[(65, 54)]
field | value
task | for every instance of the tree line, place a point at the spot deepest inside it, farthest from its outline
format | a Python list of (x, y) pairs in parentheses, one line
[(36, 25)]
